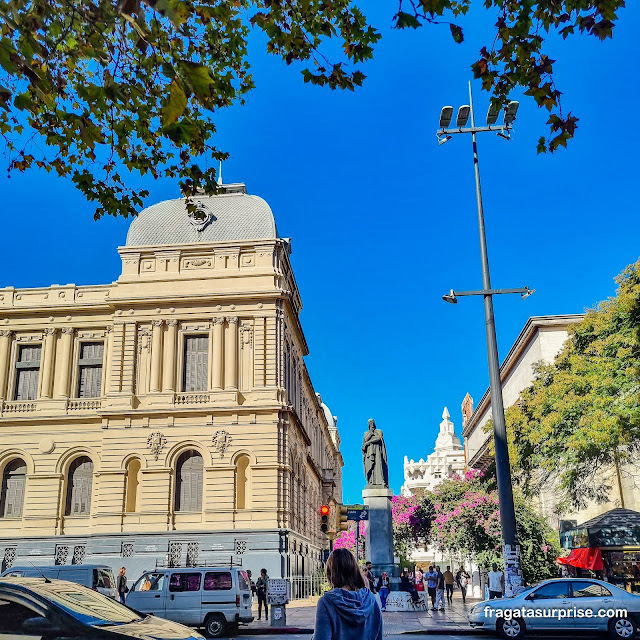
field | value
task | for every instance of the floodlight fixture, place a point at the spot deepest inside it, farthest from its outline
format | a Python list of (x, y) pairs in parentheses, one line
[(510, 112), (504, 133), (443, 139), (463, 116), (492, 114), (450, 297), (445, 117), (527, 292)]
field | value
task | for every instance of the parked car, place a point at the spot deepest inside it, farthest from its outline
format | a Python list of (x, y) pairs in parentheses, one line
[(43, 608), (98, 577), (566, 604), (216, 598)]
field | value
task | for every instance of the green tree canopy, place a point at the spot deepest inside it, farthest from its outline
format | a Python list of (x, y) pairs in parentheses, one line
[(90, 87), (579, 422)]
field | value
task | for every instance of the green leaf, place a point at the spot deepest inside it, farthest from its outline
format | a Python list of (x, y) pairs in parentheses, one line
[(404, 20), (175, 105), (199, 77), (176, 10), (456, 32)]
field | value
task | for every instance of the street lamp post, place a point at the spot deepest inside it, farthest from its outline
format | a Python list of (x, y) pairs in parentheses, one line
[(503, 469)]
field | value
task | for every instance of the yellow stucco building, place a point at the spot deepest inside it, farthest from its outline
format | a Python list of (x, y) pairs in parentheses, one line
[(167, 417)]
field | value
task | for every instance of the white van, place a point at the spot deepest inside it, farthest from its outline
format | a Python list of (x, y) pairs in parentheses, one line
[(98, 577), (216, 598)]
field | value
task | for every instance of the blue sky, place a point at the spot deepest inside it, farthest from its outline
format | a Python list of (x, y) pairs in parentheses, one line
[(383, 220)]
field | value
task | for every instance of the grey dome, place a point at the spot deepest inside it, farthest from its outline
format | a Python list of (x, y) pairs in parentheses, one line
[(226, 217)]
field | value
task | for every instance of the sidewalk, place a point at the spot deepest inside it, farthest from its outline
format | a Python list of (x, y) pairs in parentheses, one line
[(301, 616)]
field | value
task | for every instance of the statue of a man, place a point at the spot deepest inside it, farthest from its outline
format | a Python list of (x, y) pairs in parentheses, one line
[(374, 457)]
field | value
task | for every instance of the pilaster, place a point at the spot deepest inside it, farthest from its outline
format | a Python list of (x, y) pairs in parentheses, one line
[(5, 349), (63, 364)]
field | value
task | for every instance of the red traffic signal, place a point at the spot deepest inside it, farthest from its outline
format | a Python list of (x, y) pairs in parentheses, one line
[(324, 518), (324, 510)]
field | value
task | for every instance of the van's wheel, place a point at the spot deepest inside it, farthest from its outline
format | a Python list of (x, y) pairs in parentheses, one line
[(510, 629), (215, 625), (622, 628)]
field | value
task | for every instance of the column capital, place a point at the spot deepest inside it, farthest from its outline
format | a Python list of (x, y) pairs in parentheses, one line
[(49, 331), (232, 319), (157, 323), (6, 333), (172, 323), (217, 320), (67, 330), (108, 328)]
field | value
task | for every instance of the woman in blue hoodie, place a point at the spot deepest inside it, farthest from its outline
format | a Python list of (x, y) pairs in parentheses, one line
[(349, 611)]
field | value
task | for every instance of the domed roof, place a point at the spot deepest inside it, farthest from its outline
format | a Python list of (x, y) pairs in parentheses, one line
[(227, 217)]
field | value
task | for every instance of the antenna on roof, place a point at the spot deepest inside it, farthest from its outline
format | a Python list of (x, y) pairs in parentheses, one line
[(46, 580), (220, 175)]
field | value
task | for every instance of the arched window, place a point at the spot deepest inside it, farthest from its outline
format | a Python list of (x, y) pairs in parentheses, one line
[(132, 482), (242, 482), (79, 485), (189, 482), (14, 480)]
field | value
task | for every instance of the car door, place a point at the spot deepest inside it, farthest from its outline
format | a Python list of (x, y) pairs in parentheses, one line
[(149, 593), (184, 601), (218, 594), (588, 599), (543, 605)]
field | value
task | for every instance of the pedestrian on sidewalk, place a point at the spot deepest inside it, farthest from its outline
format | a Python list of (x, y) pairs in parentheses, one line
[(496, 582), (122, 584), (432, 579), (462, 578), (448, 584), (261, 588), (405, 585), (252, 584), (439, 590), (348, 611), (371, 577), (383, 588)]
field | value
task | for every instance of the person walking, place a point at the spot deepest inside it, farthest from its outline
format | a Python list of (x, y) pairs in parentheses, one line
[(261, 588), (122, 584), (383, 589), (348, 611), (496, 582), (432, 579), (439, 590), (448, 584), (462, 579)]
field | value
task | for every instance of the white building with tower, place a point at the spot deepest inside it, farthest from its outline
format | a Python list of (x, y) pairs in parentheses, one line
[(447, 458)]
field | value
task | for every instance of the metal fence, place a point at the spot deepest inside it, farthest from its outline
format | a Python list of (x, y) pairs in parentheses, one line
[(303, 587)]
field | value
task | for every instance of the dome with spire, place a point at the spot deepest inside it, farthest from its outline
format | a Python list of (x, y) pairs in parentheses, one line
[(226, 217)]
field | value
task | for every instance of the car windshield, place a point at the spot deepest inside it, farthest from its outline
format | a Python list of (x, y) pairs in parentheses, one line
[(88, 606)]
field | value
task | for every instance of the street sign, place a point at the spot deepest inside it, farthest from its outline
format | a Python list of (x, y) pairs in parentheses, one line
[(357, 512)]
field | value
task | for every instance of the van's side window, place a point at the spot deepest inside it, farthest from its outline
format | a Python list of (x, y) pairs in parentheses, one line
[(184, 582), (217, 581)]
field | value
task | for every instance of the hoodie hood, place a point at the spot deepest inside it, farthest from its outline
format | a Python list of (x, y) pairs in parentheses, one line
[(354, 607)]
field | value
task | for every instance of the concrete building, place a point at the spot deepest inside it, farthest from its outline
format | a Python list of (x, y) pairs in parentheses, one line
[(540, 341), (447, 458), (167, 417)]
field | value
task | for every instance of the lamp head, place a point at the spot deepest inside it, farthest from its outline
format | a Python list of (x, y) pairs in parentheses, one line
[(528, 292), (450, 297), (443, 138), (445, 117)]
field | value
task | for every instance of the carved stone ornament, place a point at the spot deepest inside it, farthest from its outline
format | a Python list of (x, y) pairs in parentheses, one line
[(221, 441), (6, 333), (156, 443), (201, 217)]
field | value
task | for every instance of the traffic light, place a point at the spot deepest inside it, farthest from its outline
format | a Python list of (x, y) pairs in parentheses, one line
[(324, 518), (342, 523)]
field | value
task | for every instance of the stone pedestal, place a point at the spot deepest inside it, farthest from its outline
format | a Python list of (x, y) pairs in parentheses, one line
[(379, 533)]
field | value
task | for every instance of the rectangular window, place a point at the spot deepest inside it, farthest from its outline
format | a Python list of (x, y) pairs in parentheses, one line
[(196, 363), (184, 582), (90, 370), (27, 371), (217, 581)]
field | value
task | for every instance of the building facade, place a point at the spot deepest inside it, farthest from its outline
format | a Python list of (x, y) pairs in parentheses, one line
[(168, 417), (540, 341), (446, 459)]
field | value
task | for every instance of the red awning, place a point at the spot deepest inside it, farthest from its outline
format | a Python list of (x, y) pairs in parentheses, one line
[(585, 558)]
